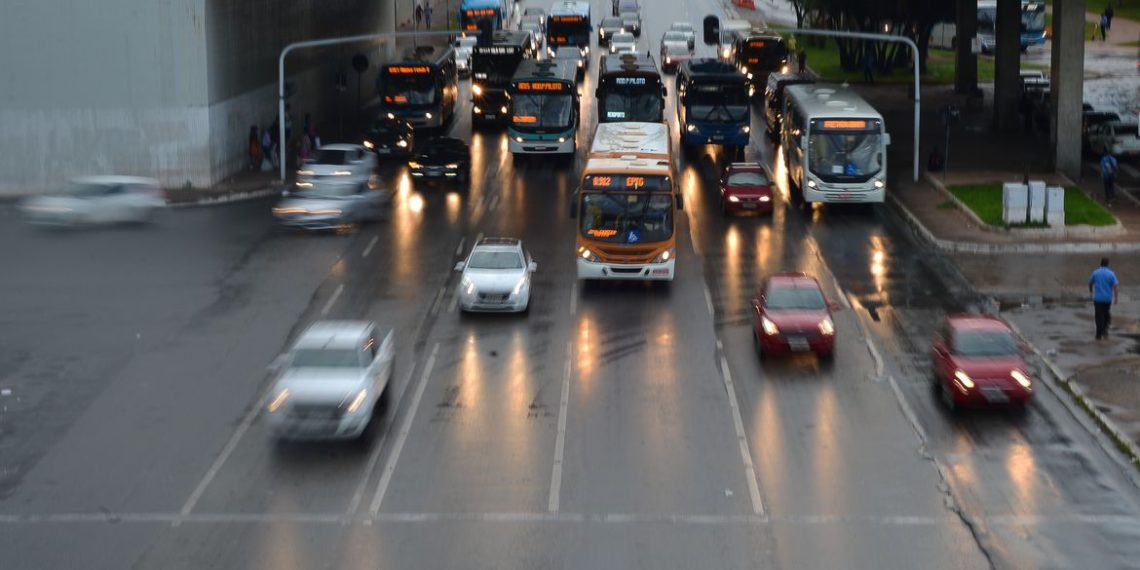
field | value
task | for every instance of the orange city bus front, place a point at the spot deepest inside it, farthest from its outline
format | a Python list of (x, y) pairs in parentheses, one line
[(626, 227)]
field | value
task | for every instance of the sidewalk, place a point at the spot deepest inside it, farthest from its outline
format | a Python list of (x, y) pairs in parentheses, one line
[(244, 185)]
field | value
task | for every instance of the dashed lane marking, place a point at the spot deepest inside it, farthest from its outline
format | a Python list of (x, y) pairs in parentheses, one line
[(741, 436), (358, 495), (332, 300), (459, 248), (560, 441), (368, 250), (709, 301)]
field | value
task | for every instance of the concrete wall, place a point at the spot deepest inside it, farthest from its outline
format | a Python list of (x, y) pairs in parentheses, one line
[(163, 88)]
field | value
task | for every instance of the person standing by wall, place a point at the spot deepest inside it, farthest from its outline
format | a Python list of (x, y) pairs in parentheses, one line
[(1105, 289), (1108, 167)]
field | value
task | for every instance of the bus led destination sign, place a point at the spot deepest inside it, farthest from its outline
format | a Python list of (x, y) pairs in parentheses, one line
[(614, 182), (845, 124), (497, 50), (408, 69), (756, 43), (550, 86), (570, 19), (629, 80), (480, 12)]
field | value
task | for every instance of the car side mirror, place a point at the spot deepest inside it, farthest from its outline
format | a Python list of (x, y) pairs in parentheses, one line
[(833, 306), (532, 266), (460, 265)]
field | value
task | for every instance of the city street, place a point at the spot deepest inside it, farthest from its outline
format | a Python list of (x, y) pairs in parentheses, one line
[(617, 425)]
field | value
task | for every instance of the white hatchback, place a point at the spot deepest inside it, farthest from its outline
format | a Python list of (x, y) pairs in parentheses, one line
[(97, 200), (338, 164), (496, 276)]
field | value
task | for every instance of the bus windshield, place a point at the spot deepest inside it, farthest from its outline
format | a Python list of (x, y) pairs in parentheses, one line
[(845, 156), (408, 89), (627, 218), (495, 68), (725, 102), (536, 111), (568, 31), (631, 99)]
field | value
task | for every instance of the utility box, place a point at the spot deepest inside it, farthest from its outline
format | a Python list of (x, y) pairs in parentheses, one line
[(1015, 203), (1055, 206), (1037, 202)]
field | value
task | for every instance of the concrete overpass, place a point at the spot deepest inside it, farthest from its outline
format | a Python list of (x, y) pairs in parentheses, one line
[(164, 88), (1067, 69)]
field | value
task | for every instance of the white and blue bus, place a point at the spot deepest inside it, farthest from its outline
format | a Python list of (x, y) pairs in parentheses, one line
[(545, 110), (834, 144), (944, 34)]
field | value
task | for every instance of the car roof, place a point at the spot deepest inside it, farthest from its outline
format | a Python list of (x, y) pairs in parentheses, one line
[(341, 146), (113, 180), (334, 334), (681, 25), (972, 321), (623, 35), (534, 10), (611, 19), (628, 15), (747, 167), (792, 280), (499, 241)]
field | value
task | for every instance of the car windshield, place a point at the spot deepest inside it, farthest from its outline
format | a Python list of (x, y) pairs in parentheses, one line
[(609, 23), (747, 179), (682, 26), (88, 190), (627, 218), (495, 260), (623, 38), (674, 37), (676, 47), (326, 358), (326, 156), (795, 299), (408, 89), (984, 343)]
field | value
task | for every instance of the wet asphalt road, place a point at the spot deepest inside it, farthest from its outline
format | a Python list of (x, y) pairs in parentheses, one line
[(615, 426)]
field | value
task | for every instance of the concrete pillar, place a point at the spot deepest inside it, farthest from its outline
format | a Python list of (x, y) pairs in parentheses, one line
[(1067, 85), (1007, 65), (966, 62)]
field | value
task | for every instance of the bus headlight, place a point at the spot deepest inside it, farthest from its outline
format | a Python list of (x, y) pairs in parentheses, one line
[(878, 184), (690, 127), (477, 89), (561, 139), (519, 139), (427, 115), (587, 255), (666, 255), (811, 183), (784, 69), (402, 143), (580, 62), (602, 32), (746, 129), (725, 52)]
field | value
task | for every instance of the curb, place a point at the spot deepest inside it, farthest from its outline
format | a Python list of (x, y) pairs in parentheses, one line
[(226, 198), (1073, 397), (994, 248)]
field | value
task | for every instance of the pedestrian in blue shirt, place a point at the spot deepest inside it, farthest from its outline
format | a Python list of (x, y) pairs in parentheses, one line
[(1105, 288), (1108, 166)]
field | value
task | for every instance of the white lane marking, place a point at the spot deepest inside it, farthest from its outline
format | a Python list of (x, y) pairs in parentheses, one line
[(402, 437), (459, 248), (332, 300), (741, 437), (358, 495), (368, 250), (494, 203), (220, 460), (878, 359), (574, 299), (708, 300), (560, 440), (437, 302)]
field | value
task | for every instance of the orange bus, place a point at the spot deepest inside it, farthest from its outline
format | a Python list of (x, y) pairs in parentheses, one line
[(627, 204)]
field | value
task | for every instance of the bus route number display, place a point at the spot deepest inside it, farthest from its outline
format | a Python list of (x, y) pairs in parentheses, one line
[(480, 12), (845, 124), (408, 69), (548, 86), (756, 44), (617, 182), (629, 81), (567, 19), (497, 50)]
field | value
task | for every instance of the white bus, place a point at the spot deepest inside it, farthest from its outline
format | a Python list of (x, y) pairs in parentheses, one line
[(834, 144)]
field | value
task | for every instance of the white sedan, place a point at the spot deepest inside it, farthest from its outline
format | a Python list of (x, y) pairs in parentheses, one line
[(496, 276), (333, 378), (685, 28), (338, 164), (97, 200), (623, 42)]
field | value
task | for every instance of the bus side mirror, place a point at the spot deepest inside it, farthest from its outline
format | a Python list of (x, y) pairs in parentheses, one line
[(887, 138), (573, 209), (712, 30), (664, 91), (597, 92), (680, 201)]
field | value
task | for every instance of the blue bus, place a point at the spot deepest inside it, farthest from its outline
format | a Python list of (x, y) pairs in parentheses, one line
[(495, 13), (713, 105)]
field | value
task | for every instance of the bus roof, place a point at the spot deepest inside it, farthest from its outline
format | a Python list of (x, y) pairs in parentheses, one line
[(829, 100), (635, 62), (475, 4), (506, 38), (429, 54), (709, 67), (758, 34), (546, 69), (631, 139), (627, 165), (570, 8)]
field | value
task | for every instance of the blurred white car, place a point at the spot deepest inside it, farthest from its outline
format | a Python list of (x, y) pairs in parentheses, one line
[(338, 163), (685, 28), (463, 47), (329, 206), (333, 378), (97, 200), (496, 276), (623, 42), (536, 33)]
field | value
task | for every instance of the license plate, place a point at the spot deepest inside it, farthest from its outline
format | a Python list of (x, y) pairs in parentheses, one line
[(718, 137), (748, 205), (383, 150), (995, 395), (661, 271), (490, 116), (798, 344)]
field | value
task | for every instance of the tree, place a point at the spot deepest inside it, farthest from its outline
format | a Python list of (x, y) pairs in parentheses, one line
[(910, 18)]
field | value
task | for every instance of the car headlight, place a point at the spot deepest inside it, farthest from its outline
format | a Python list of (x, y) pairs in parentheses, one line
[(765, 198), (369, 145), (733, 199), (305, 173), (750, 75), (391, 116), (453, 165), (518, 287), (769, 327), (602, 32), (427, 115), (724, 52), (503, 109), (826, 326), (964, 380), (357, 401), (784, 69), (278, 401), (878, 184), (811, 183), (468, 286), (668, 60), (414, 164), (690, 127), (304, 185), (288, 211), (477, 110), (402, 143), (1021, 378), (342, 173), (612, 48), (751, 91), (586, 254), (477, 89), (580, 63), (585, 50), (666, 255)]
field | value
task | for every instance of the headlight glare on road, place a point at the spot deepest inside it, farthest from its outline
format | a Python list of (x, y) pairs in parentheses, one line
[(278, 401), (586, 254), (1021, 378), (826, 326), (769, 327), (963, 380), (356, 402), (305, 173)]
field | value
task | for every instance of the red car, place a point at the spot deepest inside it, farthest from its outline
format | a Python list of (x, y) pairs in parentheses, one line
[(745, 187), (977, 362), (790, 314)]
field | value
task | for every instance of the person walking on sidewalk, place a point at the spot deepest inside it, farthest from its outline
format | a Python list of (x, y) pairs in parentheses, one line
[(1103, 27), (1108, 14), (1105, 289), (1108, 167)]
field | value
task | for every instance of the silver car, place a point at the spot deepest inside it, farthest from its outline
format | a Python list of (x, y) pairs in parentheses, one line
[(330, 206), (463, 47), (333, 378), (496, 276), (97, 200), (623, 42), (339, 163), (685, 28)]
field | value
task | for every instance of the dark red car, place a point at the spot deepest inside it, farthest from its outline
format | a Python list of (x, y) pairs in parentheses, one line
[(745, 187), (977, 362), (790, 314)]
